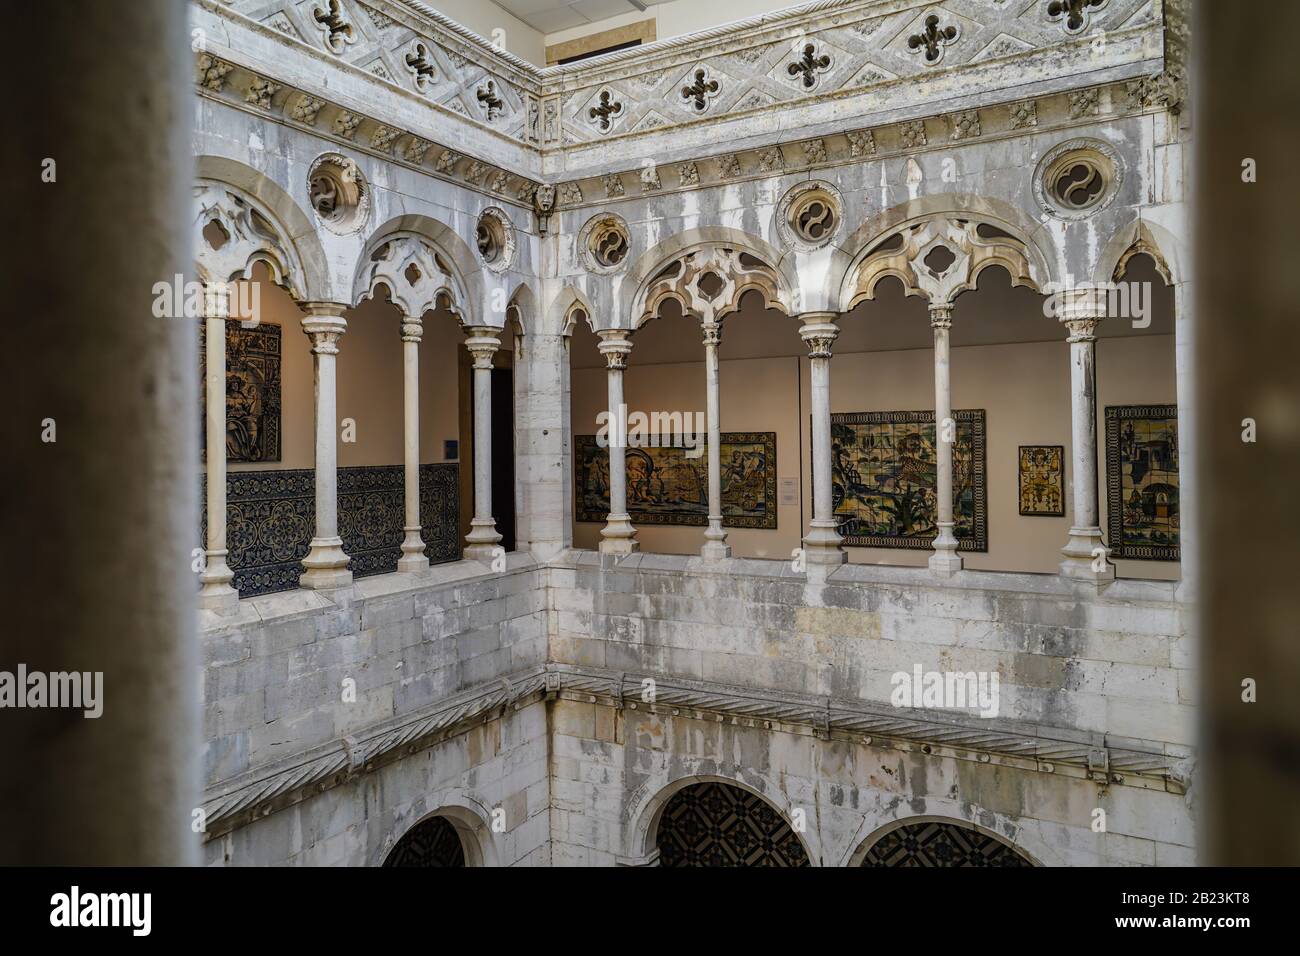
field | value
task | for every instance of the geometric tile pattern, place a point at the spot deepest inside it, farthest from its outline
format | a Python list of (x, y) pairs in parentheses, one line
[(713, 824), (433, 842), (271, 516), (941, 844)]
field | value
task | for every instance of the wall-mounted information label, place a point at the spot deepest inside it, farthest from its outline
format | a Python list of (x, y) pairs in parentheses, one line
[(789, 491)]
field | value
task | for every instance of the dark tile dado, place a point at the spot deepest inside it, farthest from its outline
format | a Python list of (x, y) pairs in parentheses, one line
[(270, 517)]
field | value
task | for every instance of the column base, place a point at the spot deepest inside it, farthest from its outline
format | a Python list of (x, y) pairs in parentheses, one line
[(413, 557), (1083, 552), (618, 537), (216, 577), (715, 542), (822, 544), (327, 566), (482, 541), (945, 559)]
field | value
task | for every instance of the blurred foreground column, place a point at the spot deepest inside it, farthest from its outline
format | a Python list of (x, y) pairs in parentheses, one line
[(100, 523), (1247, 107)]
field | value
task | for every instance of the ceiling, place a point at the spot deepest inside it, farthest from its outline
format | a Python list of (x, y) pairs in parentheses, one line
[(551, 16)]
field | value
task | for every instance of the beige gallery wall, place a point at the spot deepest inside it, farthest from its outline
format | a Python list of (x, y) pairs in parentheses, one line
[(1024, 389), (369, 370)]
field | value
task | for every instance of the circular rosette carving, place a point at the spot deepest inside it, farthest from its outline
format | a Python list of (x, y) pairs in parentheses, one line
[(604, 243), (338, 193), (1077, 178), (810, 214), (495, 237)]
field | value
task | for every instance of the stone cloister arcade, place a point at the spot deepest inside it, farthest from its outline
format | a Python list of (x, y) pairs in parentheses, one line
[(445, 626), (705, 281)]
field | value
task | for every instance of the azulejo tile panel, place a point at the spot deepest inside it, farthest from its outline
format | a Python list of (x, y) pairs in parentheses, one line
[(884, 479), (271, 515), (1142, 481), (666, 485)]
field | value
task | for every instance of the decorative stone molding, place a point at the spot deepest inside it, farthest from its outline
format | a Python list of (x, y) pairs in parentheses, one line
[(972, 252), (307, 109), (934, 37), (249, 237), (708, 283), (1073, 14), (861, 143), (495, 238), (1077, 178), (839, 49), (331, 20), (809, 215), (912, 134), (211, 72), (1024, 115), (964, 125), (282, 784), (604, 242), (702, 89), (260, 92), (338, 193), (415, 275)]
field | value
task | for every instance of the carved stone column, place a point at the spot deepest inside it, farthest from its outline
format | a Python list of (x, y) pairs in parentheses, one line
[(483, 537), (618, 536), (945, 559), (413, 557), (217, 591), (1085, 554), (326, 562), (822, 543), (715, 544)]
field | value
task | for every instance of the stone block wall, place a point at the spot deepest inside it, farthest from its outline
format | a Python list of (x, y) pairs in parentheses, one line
[(551, 710)]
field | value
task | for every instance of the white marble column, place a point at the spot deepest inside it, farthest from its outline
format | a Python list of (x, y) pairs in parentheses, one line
[(483, 537), (1084, 551), (216, 576), (618, 536), (945, 559), (326, 562), (413, 557), (715, 539), (822, 543)]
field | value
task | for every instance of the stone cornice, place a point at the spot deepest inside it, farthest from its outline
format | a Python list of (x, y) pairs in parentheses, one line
[(873, 76), (1057, 112), (232, 85), (1026, 747)]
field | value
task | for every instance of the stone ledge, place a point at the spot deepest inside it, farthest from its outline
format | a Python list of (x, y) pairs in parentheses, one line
[(1028, 747)]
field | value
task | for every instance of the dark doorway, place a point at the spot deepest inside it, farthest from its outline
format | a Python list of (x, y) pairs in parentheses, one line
[(713, 824), (432, 842), (503, 454)]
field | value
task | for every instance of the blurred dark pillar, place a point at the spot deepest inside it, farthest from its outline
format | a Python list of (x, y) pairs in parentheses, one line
[(1247, 105), (98, 525)]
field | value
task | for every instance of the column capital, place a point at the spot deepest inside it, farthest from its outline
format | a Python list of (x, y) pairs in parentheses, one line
[(412, 329), (1085, 303), (324, 330), (712, 333), (615, 344), (940, 315), (1082, 329), (819, 332), (482, 344), (216, 300)]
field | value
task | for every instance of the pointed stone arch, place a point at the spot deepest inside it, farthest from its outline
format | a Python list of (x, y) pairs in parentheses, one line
[(758, 264), (454, 259), (415, 274), (990, 232), (904, 253), (261, 223), (1140, 237)]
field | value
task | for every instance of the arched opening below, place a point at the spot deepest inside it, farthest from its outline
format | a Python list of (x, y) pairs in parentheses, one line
[(936, 843), (432, 842), (715, 824)]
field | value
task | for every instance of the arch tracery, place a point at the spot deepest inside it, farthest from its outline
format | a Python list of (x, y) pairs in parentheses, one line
[(249, 236), (414, 273)]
